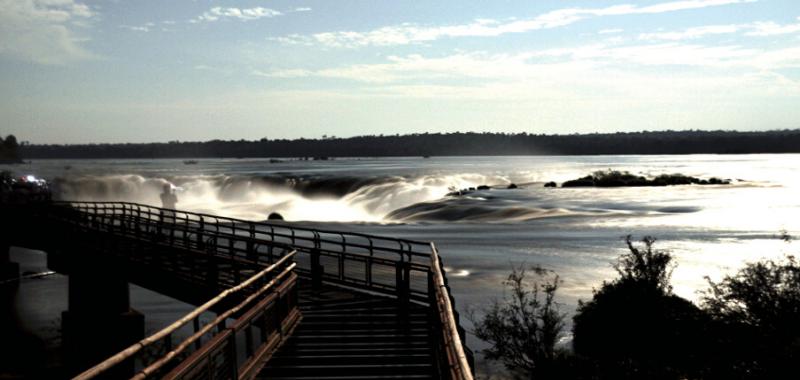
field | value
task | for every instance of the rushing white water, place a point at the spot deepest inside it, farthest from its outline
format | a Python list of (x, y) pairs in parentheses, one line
[(344, 199)]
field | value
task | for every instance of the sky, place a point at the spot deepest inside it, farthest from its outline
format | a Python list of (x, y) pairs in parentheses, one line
[(78, 71)]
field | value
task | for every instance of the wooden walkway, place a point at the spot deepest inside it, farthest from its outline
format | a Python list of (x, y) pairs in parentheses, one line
[(380, 307), (352, 335)]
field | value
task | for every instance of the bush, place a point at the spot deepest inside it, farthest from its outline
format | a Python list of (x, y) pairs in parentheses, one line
[(634, 327), (525, 326), (758, 311)]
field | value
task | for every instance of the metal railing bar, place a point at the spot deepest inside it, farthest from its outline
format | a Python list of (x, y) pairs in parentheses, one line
[(233, 220)]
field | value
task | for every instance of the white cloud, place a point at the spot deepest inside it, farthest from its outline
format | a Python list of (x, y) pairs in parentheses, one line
[(288, 73), (44, 31), (598, 65), (140, 28), (244, 14), (302, 9), (759, 29), (691, 33), (772, 29), (409, 33)]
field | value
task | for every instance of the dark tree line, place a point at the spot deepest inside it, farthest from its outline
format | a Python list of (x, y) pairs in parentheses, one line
[(445, 144), (9, 149)]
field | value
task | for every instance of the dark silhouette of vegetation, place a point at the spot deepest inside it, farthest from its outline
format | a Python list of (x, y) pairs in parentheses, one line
[(9, 150), (634, 327), (616, 178), (445, 144), (758, 314), (525, 326)]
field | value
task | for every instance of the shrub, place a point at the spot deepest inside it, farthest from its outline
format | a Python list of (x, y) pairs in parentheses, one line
[(524, 327), (634, 327), (758, 310)]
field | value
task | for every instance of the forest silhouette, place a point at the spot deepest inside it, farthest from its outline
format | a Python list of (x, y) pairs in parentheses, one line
[(443, 144)]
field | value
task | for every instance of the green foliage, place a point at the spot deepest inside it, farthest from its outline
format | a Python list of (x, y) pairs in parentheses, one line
[(757, 311), (616, 178), (525, 326), (645, 266), (765, 294), (633, 325)]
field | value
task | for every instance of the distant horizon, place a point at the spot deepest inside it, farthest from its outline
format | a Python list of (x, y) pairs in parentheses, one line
[(332, 137), (443, 144)]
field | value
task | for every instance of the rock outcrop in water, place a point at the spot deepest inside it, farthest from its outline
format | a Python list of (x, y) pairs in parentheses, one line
[(615, 178)]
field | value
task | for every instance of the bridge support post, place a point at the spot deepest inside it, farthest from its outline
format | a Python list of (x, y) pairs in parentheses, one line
[(99, 322), (403, 281), (316, 271), (8, 269)]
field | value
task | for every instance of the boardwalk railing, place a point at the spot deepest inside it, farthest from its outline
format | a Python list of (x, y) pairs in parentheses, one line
[(410, 271), (266, 316), (454, 358)]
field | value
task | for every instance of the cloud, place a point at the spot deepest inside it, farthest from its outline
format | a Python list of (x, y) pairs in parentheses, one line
[(44, 31), (140, 28), (691, 33), (771, 29), (244, 14), (757, 29), (288, 73), (408, 33), (568, 66), (302, 9)]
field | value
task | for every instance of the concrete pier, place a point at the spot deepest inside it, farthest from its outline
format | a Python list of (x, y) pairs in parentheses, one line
[(8, 269), (99, 321)]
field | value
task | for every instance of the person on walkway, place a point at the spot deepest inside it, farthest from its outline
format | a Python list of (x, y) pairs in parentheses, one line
[(168, 198), (168, 201)]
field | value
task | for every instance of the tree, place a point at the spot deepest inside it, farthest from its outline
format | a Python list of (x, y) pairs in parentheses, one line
[(8, 148), (758, 310), (645, 266), (634, 327), (524, 327)]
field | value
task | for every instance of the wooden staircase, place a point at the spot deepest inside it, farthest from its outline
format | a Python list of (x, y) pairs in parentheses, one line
[(352, 335)]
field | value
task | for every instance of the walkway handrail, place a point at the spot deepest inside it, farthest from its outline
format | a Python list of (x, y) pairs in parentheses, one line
[(458, 363), (410, 270), (342, 254), (157, 210), (136, 347)]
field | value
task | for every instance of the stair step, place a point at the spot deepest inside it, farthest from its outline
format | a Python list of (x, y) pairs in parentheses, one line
[(351, 351), (389, 331), (365, 345), (322, 324), (348, 369), (350, 359), (347, 377)]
